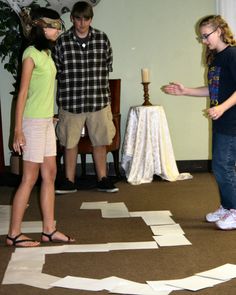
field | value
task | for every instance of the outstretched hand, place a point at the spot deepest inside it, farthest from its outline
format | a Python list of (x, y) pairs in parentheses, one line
[(174, 88)]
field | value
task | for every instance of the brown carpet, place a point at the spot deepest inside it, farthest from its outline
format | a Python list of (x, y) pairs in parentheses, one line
[(188, 201)]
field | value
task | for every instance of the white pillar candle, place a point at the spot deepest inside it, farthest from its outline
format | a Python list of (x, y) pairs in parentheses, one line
[(145, 75)]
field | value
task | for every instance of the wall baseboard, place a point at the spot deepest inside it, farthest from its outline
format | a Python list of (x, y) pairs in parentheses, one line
[(183, 166), (194, 166)]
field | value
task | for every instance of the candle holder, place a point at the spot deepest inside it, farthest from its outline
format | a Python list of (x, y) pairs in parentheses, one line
[(146, 95)]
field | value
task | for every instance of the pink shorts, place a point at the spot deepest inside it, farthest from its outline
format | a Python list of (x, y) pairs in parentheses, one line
[(40, 139)]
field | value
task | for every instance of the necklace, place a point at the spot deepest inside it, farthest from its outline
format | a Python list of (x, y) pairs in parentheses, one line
[(83, 41)]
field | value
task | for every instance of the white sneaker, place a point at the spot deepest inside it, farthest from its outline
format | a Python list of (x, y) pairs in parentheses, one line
[(217, 215), (228, 221)]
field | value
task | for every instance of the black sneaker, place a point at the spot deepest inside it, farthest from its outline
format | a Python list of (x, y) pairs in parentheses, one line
[(65, 187), (105, 185)]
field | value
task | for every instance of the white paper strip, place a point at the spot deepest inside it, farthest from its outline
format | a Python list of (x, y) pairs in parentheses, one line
[(93, 205), (162, 286), (223, 272), (143, 213), (169, 229), (115, 210), (137, 289), (194, 283), (133, 245), (172, 240), (79, 283)]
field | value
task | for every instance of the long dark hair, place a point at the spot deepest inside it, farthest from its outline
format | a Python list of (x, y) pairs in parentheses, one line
[(37, 37)]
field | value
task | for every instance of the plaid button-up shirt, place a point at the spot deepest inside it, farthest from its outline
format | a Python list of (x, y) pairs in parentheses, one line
[(83, 73)]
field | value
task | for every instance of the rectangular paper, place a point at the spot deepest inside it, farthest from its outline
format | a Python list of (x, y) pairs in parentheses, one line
[(172, 240)]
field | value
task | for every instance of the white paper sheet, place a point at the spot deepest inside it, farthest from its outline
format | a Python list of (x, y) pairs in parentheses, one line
[(194, 283), (38, 280), (172, 240), (87, 248), (169, 229), (157, 220), (27, 256), (143, 213), (113, 284), (93, 205), (223, 272), (5, 213), (162, 286), (79, 283), (27, 226), (115, 210), (27, 265), (4, 227), (133, 245), (137, 289), (42, 250), (28, 272), (32, 226), (15, 277), (42, 281), (110, 283), (154, 217)]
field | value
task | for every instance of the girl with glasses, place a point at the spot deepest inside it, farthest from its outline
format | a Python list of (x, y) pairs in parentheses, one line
[(215, 34)]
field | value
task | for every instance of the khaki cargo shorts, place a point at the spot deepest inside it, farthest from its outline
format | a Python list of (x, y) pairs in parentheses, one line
[(100, 127)]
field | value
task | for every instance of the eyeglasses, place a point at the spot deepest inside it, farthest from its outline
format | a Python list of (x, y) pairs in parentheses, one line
[(205, 36)]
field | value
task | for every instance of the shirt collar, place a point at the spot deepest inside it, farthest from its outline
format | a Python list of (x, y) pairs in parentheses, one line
[(91, 33)]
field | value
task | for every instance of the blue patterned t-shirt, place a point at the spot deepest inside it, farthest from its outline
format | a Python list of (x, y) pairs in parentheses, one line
[(222, 84)]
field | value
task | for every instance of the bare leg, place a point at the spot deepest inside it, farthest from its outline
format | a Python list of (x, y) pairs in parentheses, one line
[(47, 194), (71, 162), (100, 158), (47, 200), (30, 175)]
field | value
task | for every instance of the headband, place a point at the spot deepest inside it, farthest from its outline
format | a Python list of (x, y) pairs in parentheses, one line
[(43, 22), (46, 22)]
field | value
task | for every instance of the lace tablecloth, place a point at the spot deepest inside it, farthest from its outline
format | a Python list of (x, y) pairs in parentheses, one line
[(147, 147)]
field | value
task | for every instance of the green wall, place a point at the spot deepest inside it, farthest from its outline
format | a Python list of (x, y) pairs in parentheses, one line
[(159, 35)]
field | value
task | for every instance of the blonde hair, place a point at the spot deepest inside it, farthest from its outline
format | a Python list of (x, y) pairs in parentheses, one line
[(216, 21)]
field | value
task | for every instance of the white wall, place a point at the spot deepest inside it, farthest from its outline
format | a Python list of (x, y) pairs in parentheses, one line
[(159, 35)]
